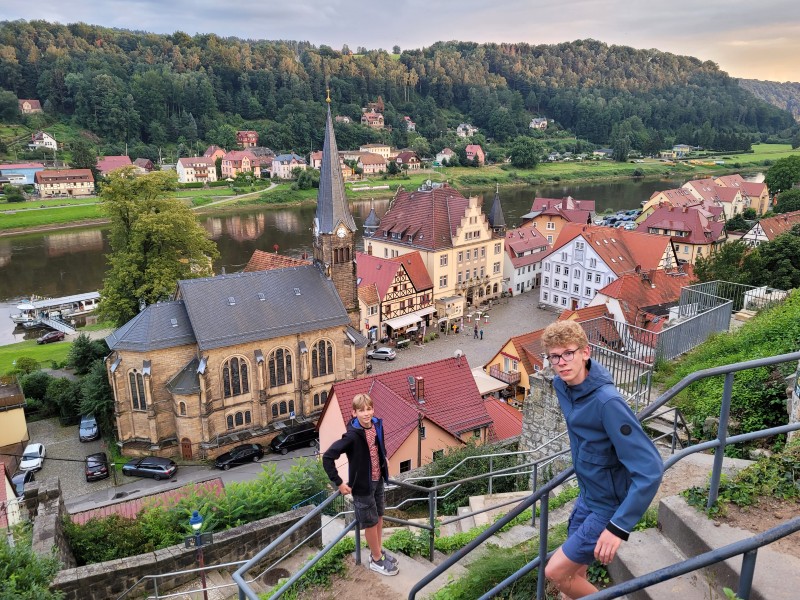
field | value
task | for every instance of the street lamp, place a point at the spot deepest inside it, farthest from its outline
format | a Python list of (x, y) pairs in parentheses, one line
[(196, 521)]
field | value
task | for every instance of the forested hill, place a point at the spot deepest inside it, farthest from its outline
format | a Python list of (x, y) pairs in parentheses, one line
[(783, 95), (152, 89)]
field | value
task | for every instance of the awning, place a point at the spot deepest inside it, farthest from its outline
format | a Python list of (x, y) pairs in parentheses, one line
[(403, 320), (486, 383), (428, 310)]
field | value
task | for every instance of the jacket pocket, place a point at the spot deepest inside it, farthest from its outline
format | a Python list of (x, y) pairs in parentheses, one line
[(598, 474)]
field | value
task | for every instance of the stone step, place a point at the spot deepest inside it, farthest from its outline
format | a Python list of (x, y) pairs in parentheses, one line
[(411, 570)]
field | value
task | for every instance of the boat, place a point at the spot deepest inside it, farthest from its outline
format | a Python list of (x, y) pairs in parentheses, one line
[(35, 309)]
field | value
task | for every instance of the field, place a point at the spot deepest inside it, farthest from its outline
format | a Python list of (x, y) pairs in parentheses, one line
[(27, 219), (44, 353)]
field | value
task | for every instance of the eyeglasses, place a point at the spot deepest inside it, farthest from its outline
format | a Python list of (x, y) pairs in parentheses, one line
[(566, 356)]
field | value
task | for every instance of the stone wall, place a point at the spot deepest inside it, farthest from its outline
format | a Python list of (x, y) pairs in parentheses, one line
[(542, 421), (46, 508), (112, 578)]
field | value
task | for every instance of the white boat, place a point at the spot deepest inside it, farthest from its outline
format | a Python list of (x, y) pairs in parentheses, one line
[(66, 307)]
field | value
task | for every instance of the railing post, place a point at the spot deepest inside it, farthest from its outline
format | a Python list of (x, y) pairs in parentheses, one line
[(543, 518), (535, 485), (674, 428), (358, 544), (491, 470), (432, 518), (722, 434), (746, 578)]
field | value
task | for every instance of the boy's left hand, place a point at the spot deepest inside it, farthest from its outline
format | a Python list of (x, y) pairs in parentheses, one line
[(606, 548)]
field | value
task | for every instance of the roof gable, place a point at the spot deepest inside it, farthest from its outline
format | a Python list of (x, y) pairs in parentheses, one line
[(162, 325), (263, 261), (775, 226)]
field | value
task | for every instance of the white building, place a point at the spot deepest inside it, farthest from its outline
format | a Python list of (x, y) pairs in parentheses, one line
[(284, 164), (40, 139), (466, 130), (522, 267), (195, 169)]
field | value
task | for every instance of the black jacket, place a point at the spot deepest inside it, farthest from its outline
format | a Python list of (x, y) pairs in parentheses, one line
[(354, 445)]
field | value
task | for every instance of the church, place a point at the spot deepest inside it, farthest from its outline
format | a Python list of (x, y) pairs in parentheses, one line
[(238, 358)]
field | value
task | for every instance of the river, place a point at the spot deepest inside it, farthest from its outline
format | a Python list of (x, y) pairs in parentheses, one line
[(62, 262)]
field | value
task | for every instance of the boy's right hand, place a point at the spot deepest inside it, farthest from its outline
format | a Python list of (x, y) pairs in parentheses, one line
[(344, 489)]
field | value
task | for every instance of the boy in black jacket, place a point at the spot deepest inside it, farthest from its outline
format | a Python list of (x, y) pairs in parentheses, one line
[(367, 473)]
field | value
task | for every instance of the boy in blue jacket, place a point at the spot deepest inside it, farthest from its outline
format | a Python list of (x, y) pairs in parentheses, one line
[(367, 472), (617, 466)]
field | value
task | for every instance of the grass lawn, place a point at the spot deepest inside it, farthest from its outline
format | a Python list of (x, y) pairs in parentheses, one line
[(193, 193), (35, 204), (54, 216), (43, 353)]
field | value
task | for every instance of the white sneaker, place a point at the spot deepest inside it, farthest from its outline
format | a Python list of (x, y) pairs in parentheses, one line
[(382, 566)]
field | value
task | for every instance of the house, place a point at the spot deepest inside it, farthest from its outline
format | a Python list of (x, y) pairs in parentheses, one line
[(766, 230), (408, 161), (315, 162), (371, 164), (284, 164), (426, 410), (729, 198), (410, 125), (755, 195), (549, 215), (247, 139), (603, 153), (107, 164), (693, 230), (240, 357), (9, 504), (343, 119), (214, 152), (525, 248), (538, 123), (678, 197), (240, 161), (64, 182), (13, 426), (27, 107), (681, 150), (21, 173), (42, 139), (143, 165), (384, 150), (466, 130), (397, 297), (506, 420), (475, 153), (372, 119), (195, 169), (445, 155), (461, 252), (586, 258)]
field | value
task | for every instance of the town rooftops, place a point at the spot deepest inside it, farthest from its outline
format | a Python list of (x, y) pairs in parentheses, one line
[(193, 161), (694, 222), (162, 325), (63, 176), (263, 261), (506, 420), (525, 246), (567, 203), (370, 158), (382, 271), (107, 164), (775, 226), (748, 188), (16, 166)]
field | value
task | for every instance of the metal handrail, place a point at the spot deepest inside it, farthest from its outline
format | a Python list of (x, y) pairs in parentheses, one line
[(173, 574)]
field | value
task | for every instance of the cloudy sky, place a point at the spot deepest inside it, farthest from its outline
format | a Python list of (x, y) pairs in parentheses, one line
[(759, 40)]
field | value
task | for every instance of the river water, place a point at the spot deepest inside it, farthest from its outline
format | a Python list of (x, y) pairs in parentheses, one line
[(67, 262)]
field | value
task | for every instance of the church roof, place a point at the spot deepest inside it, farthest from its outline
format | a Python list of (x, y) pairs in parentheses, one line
[(332, 207), (162, 325), (496, 218)]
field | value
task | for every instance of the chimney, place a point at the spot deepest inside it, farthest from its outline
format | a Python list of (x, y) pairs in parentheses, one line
[(685, 209), (420, 390), (369, 249)]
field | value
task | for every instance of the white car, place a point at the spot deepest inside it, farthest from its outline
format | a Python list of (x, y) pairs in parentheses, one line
[(32, 458), (382, 353)]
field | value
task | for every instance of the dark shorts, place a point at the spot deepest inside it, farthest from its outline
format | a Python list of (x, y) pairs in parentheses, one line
[(583, 530), (370, 508)]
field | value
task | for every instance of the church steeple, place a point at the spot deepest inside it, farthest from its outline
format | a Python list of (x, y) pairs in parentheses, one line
[(372, 221), (334, 226), (496, 219)]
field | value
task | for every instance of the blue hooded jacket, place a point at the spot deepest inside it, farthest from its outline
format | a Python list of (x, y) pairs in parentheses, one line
[(618, 467)]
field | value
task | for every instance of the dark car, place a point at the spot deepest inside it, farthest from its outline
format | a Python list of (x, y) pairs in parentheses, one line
[(97, 466), (19, 479), (299, 436), (239, 455), (88, 430), (53, 336), (150, 466)]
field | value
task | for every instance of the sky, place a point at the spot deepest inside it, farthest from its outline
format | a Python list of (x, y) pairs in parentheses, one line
[(754, 40)]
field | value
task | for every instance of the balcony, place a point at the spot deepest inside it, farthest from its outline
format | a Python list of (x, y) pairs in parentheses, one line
[(510, 377)]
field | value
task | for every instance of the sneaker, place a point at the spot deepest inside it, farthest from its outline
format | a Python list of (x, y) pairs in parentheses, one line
[(388, 557), (382, 566)]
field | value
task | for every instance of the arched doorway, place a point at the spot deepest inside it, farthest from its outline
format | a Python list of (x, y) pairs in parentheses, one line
[(186, 449)]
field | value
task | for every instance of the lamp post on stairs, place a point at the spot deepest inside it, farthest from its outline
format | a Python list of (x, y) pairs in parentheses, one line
[(196, 521)]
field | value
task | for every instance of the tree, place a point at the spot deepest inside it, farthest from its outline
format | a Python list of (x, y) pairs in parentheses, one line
[(13, 193), (776, 263), (9, 106), (526, 152), (84, 352), (392, 168), (65, 394), (395, 49), (736, 223), (783, 175), (97, 397), (155, 241), (725, 264), (788, 201), (84, 157), (24, 574), (34, 385)]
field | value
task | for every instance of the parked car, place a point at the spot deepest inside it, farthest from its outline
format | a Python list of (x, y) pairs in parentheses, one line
[(239, 455), (97, 466), (53, 336), (150, 466), (19, 479), (32, 457), (382, 353), (88, 430), (631, 226), (299, 436)]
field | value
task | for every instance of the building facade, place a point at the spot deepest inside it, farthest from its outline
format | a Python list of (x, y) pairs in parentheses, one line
[(64, 182), (195, 169)]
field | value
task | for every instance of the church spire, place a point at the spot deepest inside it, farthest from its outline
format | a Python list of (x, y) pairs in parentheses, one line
[(496, 220), (332, 208)]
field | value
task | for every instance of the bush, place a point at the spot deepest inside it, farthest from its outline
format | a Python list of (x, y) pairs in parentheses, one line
[(190, 186), (34, 385), (25, 575)]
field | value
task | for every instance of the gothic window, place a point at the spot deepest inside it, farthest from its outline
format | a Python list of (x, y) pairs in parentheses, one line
[(182, 408), (274, 411), (322, 359), (234, 377), (280, 367), (320, 399), (138, 398), (229, 421)]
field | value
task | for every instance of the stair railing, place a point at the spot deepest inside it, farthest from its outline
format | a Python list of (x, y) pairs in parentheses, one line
[(719, 444), (678, 424)]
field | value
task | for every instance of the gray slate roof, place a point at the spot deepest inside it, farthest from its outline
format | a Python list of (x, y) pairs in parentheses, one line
[(153, 329), (283, 311), (186, 381), (332, 207), (496, 218)]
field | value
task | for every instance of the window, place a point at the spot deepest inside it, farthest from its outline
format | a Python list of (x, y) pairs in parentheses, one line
[(475, 254), (566, 270), (320, 399), (234, 377), (459, 279), (443, 281), (443, 260), (238, 419), (385, 253), (557, 283), (576, 288), (422, 431), (547, 281), (476, 433), (460, 256), (483, 252), (182, 408), (322, 359), (597, 278), (579, 245), (437, 454), (555, 299), (564, 300), (483, 271), (593, 263), (550, 226), (138, 399), (544, 295), (497, 248), (546, 266), (549, 239), (587, 291), (496, 268), (565, 284), (405, 466), (577, 273), (280, 367), (686, 249), (281, 409), (699, 251), (475, 273), (588, 276), (563, 256)]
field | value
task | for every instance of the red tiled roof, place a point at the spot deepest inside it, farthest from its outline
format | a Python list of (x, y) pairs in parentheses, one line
[(586, 313), (372, 269), (774, 226), (452, 399), (708, 190), (525, 246), (621, 250), (507, 420), (129, 509), (416, 270), (368, 294), (191, 161), (748, 188), (432, 216), (63, 176), (212, 149), (687, 218), (111, 163), (238, 155), (567, 202), (267, 261), (370, 158), (8, 167)]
